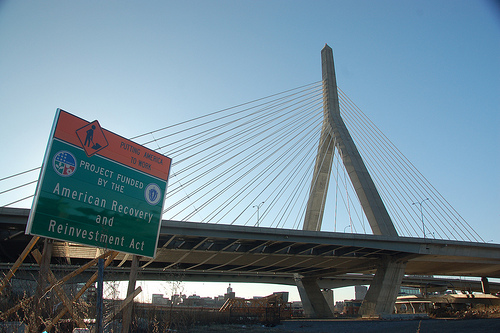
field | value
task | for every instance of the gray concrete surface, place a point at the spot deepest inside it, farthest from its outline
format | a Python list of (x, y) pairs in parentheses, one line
[(362, 326), (381, 326)]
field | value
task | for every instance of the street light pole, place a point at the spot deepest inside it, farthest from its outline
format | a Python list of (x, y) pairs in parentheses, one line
[(421, 213), (258, 207)]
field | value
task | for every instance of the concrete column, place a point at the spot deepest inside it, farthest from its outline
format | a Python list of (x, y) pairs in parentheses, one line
[(328, 295), (384, 289), (485, 285), (313, 300)]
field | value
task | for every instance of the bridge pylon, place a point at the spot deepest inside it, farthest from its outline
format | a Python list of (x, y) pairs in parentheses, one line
[(334, 134)]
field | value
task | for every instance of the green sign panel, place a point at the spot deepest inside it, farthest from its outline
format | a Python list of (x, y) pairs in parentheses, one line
[(97, 188)]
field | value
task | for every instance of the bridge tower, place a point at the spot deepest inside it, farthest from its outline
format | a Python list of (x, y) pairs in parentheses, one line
[(335, 128), (334, 134)]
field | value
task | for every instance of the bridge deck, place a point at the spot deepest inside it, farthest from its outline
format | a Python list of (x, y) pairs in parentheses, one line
[(237, 250)]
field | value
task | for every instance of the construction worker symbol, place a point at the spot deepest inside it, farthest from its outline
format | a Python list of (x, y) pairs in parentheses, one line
[(92, 138)]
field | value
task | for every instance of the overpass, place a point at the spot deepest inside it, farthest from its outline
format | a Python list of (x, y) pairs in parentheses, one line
[(208, 252)]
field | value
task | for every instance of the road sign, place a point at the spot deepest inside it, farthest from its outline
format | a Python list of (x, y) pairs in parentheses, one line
[(97, 188), (92, 138)]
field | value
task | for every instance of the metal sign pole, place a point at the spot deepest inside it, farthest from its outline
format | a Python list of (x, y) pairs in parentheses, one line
[(100, 287), (127, 312)]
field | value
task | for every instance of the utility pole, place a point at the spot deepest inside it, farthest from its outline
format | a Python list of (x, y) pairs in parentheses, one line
[(258, 207), (421, 213)]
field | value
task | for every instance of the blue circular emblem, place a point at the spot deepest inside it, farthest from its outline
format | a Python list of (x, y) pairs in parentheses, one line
[(64, 163), (152, 194)]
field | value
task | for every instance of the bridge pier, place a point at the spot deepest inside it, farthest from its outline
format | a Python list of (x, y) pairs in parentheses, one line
[(485, 285), (384, 289), (313, 300)]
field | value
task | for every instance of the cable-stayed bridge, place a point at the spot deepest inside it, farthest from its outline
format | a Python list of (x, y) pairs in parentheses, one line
[(278, 187)]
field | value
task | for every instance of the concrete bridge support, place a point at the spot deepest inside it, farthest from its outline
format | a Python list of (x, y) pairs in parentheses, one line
[(485, 285), (334, 133), (383, 291), (313, 301)]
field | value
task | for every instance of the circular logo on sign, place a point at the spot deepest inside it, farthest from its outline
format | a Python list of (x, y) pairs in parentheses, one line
[(64, 163), (152, 194)]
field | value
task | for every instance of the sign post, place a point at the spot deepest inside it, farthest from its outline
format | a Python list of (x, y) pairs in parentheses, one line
[(97, 188), (100, 291)]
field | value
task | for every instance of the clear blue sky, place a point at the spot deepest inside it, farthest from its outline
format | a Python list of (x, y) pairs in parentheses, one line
[(426, 72)]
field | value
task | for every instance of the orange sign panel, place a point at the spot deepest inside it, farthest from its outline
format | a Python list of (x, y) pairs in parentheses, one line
[(97, 140)]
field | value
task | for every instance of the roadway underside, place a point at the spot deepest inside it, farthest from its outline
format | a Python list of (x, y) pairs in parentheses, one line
[(253, 254)]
